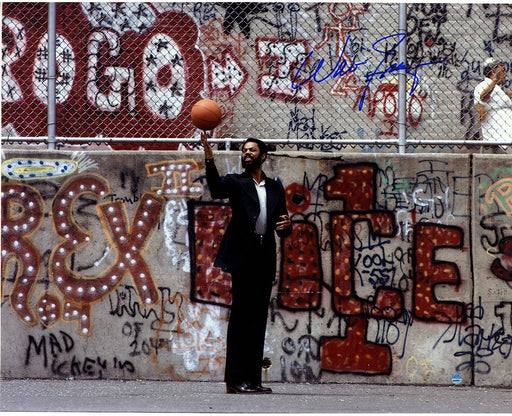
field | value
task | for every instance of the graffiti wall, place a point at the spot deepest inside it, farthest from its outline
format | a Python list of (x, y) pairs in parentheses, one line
[(397, 270), (320, 70), (492, 320)]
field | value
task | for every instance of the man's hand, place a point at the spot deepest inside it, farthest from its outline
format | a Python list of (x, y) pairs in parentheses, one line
[(208, 152), (284, 223), (485, 95)]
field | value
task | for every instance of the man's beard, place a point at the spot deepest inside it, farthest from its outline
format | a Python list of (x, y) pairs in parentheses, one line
[(252, 164)]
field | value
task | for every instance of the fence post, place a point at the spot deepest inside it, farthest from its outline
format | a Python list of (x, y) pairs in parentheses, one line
[(52, 57), (402, 78)]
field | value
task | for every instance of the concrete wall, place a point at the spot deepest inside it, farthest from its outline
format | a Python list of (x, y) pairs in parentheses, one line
[(398, 270)]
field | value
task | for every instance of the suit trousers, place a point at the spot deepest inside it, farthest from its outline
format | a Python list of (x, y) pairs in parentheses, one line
[(251, 289)]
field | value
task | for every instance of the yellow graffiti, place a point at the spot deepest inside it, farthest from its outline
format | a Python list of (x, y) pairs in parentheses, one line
[(26, 169), (501, 193), (34, 168), (413, 368), (176, 178)]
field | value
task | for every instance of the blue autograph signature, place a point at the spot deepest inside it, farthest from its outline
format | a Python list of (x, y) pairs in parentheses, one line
[(343, 67)]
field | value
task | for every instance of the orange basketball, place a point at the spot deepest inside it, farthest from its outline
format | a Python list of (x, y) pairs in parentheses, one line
[(206, 114)]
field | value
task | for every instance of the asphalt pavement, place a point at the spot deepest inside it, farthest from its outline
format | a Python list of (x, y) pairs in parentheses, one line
[(86, 396)]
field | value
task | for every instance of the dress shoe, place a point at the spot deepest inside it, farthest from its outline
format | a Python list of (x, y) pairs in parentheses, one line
[(242, 388), (263, 390)]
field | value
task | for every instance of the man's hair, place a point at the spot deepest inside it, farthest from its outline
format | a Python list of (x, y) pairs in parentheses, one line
[(489, 66), (261, 145)]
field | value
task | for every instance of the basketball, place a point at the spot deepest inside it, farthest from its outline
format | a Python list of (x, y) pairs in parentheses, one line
[(206, 114)]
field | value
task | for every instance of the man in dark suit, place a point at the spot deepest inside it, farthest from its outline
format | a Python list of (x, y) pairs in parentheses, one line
[(248, 252)]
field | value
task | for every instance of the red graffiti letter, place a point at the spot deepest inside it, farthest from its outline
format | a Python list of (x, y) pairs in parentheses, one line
[(428, 273), (22, 214), (355, 185), (208, 223), (301, 268), (280, 58), (81, 292), (130, 241)]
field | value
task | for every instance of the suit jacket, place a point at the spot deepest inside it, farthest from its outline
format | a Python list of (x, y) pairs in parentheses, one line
[(240, 244)]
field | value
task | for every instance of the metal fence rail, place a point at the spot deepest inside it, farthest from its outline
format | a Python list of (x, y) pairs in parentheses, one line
[(295, 74)]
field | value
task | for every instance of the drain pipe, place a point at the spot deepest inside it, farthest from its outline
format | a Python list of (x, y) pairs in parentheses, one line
[(402, 79), (52, 58)]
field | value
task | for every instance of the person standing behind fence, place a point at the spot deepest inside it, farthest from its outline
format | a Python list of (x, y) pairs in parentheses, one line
[(248, 252), (493, 103)]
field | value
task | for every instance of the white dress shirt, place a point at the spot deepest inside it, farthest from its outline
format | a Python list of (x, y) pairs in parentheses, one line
[(261, 222)]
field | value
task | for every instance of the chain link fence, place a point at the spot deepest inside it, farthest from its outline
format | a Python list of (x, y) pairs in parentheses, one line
[(316, 76)]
